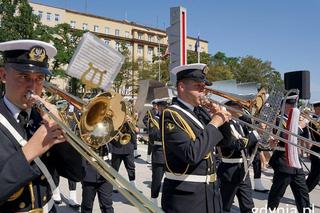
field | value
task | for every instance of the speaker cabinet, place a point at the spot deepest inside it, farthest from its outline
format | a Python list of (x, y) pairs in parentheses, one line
[(298, 80)]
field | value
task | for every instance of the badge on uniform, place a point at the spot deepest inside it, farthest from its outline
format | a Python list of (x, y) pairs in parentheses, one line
[(170, 126), (37, 53)]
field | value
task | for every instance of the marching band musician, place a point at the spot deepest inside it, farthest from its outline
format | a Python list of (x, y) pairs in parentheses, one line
[(234, 150), (314, 175), (93, 183), (284, 174), (157, 160), (189, 135), (151, 115), (256, 163), (125, 152), (32, 145)]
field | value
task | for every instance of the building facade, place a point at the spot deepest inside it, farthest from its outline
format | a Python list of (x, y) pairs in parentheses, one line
[(143, 41)]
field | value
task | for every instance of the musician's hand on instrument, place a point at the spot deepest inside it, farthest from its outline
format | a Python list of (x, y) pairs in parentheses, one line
[(302, 122), (43, 139), (128, 118), (273, 142), (220, 117), (261, 126), (52, 108)]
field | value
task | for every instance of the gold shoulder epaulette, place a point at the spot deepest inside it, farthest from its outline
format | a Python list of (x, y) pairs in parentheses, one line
[(179, 121)]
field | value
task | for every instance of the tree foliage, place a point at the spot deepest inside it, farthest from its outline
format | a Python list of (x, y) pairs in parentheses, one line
[(18, 22)]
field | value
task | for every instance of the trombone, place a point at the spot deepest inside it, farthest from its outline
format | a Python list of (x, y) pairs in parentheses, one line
[(104, 169), (275, 136)]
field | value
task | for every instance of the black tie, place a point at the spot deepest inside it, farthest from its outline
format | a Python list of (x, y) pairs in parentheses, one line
[(198, 113), (23, 119)]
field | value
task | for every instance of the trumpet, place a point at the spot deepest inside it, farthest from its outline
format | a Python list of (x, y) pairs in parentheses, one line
[(275, 136), (104, 169)]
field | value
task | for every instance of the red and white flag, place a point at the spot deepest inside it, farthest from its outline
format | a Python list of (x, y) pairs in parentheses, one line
[(292, 153)]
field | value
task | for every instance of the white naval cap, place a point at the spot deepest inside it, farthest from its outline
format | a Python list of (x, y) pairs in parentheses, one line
[(28, 55), (196, 72)]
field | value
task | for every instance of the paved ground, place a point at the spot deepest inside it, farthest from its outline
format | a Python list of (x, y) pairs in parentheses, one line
[(143, 174)]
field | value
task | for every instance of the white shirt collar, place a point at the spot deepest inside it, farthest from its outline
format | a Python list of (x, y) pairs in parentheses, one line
[(15, 111), (186, 104)]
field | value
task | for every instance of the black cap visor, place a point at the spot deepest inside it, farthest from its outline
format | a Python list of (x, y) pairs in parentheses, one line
[(207, 83), (29, 68)]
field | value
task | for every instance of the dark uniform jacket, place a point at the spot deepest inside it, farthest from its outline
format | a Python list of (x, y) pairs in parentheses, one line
[(154, 135), (315, 136), (92, 174), (278, 159), (16, 173), (119, 149), (182, 152), (232, 148)]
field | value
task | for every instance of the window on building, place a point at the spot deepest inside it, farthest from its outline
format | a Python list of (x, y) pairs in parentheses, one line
[(127, 34), (57, 17), (49, 16), (117, 32), (95, 28), (158, 39), (106, 41), (140, 36), (40, 13), (73, 24), (150, 38), (140, 50), (117, 46), (84, 26), (106, 30), (190, 46), (150, 51)]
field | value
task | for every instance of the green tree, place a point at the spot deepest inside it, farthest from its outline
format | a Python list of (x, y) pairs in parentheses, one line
[(192, 57), (66, 40), (251, 69), (127, 71), (18, 22)]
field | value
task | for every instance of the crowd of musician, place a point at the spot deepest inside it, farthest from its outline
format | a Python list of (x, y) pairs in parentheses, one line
[(200, 152)]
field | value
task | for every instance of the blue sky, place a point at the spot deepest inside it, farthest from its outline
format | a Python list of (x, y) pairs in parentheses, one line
[(285, 32)]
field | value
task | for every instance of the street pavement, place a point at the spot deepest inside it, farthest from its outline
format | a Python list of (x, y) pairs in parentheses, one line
[(143, 182)]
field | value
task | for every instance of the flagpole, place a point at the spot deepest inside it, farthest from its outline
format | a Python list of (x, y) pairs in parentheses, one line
[(198, 56), (159, 60)]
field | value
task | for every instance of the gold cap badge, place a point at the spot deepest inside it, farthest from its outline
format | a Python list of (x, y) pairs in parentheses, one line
[(37, 54)]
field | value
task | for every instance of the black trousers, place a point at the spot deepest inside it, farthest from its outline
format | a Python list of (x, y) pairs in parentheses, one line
[(128, 160), (89, 191), (314, 175), (157, 174), (72, 185), (242, 190), (298, 186), (256, 165), (149, 148)]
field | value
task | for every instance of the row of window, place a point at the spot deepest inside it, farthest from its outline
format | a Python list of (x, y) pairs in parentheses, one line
[(57, 18), (49, 16), (116, 31), (129, 46)]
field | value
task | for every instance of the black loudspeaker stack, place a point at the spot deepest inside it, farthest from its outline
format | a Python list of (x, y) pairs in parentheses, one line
[(298, 80)]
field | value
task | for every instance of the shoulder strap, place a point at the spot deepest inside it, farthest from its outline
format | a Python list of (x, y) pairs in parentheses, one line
[(189, 115), (23, 142), (154, 121)]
